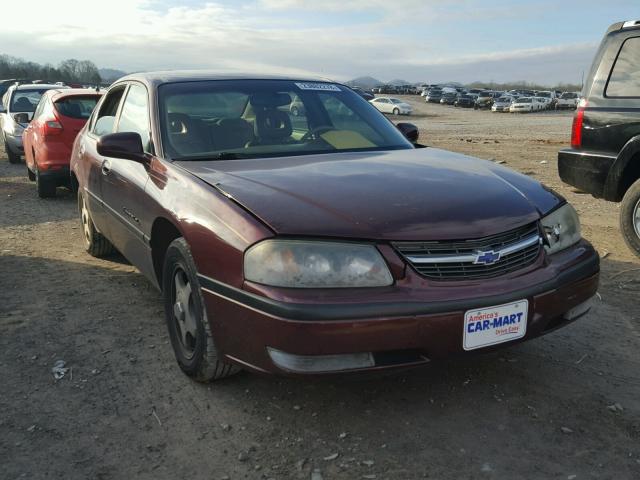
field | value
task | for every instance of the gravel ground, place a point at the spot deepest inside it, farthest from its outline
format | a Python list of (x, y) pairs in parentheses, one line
[(565, 406)]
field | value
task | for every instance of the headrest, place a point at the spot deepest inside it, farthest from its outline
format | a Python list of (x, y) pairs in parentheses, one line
[(272, 124), (178, 122)]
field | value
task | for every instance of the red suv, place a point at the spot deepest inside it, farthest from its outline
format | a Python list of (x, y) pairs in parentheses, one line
[(48, 140)]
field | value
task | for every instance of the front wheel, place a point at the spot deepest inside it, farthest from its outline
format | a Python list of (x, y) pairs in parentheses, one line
[(13, 158), (186, 317), (630, 218)]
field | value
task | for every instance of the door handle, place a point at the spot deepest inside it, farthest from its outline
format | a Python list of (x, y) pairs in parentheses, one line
[(106, 167), (82, 149)]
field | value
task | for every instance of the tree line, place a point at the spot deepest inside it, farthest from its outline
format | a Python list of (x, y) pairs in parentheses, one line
[(69, 71)]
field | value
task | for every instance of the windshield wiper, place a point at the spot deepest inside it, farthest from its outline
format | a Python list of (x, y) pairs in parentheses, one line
[(216, 156)]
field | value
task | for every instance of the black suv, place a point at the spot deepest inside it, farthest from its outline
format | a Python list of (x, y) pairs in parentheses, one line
[(604, 158)]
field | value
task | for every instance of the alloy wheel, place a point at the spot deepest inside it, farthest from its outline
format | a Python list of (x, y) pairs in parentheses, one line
[(184, 313), (636, 218), (86, 221)]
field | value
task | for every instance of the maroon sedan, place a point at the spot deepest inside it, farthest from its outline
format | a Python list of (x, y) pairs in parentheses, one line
[(322, 242)]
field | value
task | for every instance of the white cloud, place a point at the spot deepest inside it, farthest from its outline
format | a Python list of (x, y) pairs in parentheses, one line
[(271, 36)]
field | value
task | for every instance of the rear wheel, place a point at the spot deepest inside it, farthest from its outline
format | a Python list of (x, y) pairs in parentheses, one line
[(46, 186), (13, 158), (95, 243), (396, 111), (186, 317), (31, 175), (630, 218)]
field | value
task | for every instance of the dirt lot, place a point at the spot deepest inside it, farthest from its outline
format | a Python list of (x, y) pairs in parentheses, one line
[(541, 410)]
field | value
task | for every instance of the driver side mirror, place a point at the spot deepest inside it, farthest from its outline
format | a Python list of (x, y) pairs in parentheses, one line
[(410, 131), (21, 118), (126, 145)]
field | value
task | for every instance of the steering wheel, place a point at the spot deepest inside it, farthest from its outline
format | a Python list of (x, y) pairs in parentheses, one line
[(315, 133)]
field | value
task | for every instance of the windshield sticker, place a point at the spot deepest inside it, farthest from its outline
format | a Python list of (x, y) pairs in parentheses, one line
[(326, 87)]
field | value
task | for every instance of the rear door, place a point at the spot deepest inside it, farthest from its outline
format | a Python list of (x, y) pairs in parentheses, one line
[(123, 181)]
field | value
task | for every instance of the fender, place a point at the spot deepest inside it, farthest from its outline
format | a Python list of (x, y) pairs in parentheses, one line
[(614, 188)]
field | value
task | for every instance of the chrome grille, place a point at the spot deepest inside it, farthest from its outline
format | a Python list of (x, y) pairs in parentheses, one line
[(462, 259)]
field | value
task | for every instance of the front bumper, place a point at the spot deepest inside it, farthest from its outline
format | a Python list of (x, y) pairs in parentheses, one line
[(585, 170), (14, 142), (276, 336)]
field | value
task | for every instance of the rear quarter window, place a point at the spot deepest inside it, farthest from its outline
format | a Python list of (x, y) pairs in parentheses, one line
[(624, 80)]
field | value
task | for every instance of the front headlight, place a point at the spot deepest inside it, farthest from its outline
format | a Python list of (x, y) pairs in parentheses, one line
[(561, 228), (315, 264)]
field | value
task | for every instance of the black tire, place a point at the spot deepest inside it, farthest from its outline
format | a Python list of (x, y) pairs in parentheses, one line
[(630, 218), (186, 318), (45, 186), (294, 111), (396, 111), (95, 243), (13, 158), (31, 175)]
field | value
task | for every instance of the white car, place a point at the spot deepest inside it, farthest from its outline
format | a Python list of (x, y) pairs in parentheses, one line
[(391, 105), (568, 100), (547, 98), (524, 104)]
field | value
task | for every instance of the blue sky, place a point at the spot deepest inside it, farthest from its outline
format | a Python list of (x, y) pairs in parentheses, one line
[(417, 40)]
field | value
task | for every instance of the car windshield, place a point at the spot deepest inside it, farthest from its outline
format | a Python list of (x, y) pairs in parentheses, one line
[(568, 95), (543, 94), (504, 99), (26, 100), (523, 100), (223, 119)]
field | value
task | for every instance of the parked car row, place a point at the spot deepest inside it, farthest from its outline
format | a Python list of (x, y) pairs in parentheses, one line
[(308, 243), (521, 100)]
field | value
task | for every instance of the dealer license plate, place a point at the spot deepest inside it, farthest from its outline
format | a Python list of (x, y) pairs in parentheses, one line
[(492, 325)]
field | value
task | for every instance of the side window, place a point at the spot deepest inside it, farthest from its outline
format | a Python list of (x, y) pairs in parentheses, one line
[(106, 119), (135, 114), (625, 75)]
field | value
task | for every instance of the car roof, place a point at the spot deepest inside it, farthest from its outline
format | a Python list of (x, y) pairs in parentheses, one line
[(75, 92), (160, 77)]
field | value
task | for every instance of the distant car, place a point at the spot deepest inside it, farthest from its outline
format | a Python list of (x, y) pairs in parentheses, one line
[(391, 105), (18, 104), (433, 96), (448, 98), (502, 104), (604, 158), (524, 104), (484, 100), (48, 140), (567, 100), (363, 93), (547, 98), (465, 101)]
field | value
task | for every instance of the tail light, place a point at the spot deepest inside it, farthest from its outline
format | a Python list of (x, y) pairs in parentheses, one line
[(576, 128), (52, 127)]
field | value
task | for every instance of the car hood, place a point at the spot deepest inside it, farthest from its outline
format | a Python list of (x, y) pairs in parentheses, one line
[(414, 194)]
